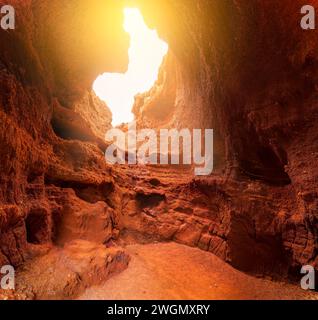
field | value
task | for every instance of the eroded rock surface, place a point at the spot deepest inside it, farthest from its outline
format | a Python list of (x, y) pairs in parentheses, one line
[(244, 68), (63, 273)]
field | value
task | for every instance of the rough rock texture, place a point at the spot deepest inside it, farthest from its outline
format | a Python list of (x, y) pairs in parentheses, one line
[(51, 162), (246, 223), (46, 118), (65, 273), (244, 68), (88, 120)]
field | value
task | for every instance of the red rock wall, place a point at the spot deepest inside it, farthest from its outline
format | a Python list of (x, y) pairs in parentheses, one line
[(50, 141), (247, 69), (244, 68)]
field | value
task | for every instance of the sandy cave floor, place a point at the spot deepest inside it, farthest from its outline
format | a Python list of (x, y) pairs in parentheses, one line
[(173, 271)]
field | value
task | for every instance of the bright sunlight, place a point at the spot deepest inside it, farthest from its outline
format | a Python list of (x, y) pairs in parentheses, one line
[(146, 54)]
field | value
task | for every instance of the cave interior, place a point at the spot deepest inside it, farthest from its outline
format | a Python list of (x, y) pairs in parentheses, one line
[(69, 221)]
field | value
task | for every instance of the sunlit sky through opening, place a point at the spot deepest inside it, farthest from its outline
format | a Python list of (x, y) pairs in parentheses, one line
[(146, 54)]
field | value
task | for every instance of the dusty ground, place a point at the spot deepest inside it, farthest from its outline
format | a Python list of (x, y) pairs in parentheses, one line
[(174, 271)]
